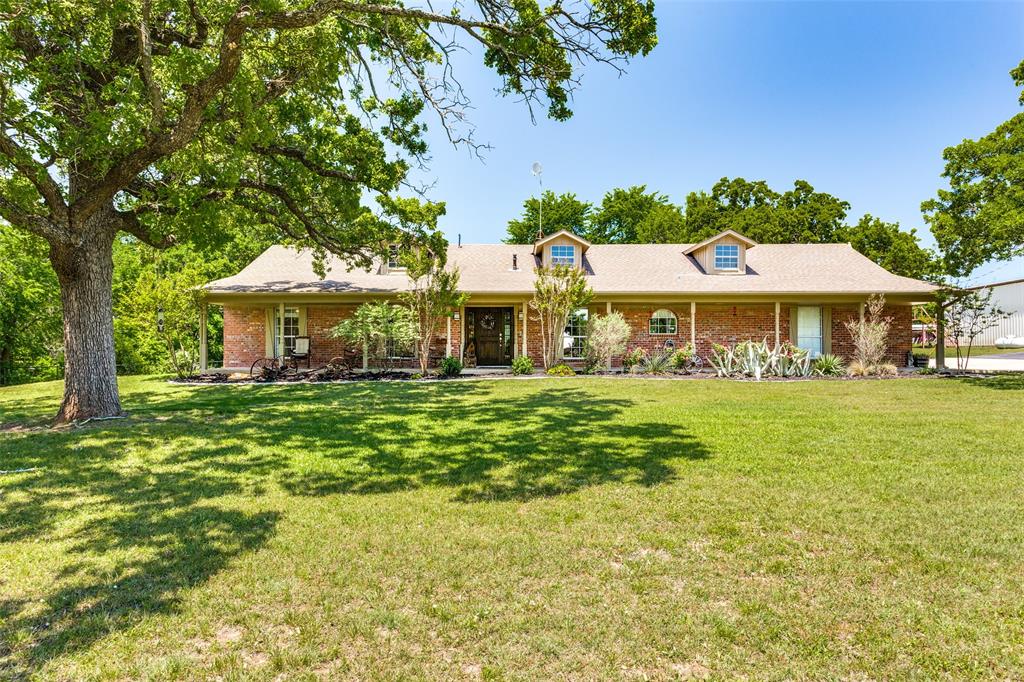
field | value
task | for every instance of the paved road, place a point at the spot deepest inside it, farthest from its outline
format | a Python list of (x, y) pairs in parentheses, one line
[(1010, 362)]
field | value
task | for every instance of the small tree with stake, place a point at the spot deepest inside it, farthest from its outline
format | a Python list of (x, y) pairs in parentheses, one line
[(969, 313), (557, 292), (379, 328), (434, 295)]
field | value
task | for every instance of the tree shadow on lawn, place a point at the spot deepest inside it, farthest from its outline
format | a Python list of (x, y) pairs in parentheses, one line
[(131, 536), (145, 509)]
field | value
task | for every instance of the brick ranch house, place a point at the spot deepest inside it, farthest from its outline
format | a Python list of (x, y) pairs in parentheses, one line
[(723, 290)]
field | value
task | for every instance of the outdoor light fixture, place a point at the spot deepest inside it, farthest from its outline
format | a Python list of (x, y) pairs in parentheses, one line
[(160, 319), (520, 314), (456, 315)]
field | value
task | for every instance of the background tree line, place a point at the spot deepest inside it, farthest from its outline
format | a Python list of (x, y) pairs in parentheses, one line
[(802, 215)]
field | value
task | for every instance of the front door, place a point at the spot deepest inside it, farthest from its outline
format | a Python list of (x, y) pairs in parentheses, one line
[(492, 335)]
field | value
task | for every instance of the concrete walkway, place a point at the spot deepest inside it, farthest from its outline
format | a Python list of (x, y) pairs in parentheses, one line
[(1010, 362)]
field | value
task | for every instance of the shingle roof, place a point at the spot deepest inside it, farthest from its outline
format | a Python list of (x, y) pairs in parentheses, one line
[(611, 269)]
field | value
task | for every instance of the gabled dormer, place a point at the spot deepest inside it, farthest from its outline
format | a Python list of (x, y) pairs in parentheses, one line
[(723, 254), (561, 248)]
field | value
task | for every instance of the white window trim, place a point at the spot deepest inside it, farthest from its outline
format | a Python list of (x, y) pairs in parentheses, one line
[(654, 315), (562, 260), (583, 336), (715, 256), (821, 330)]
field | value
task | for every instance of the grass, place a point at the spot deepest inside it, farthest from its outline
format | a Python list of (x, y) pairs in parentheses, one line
[(582, 528), (976, 351)]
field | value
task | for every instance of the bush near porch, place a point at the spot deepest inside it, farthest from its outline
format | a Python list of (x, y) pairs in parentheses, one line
[(517, 529)]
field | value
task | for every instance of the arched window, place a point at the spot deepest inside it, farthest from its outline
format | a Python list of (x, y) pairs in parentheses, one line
[(662, 322)]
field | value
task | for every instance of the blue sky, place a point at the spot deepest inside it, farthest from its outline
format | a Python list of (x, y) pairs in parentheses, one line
[(857, 98)]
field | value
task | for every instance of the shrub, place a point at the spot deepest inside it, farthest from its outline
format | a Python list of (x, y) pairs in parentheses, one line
[(450, 367), (606, 337), (829, 366), (522, 365), (633, 358), (870, 335), (379, 327), (561, 371), (683, 356), (655, 363), (886, 370)]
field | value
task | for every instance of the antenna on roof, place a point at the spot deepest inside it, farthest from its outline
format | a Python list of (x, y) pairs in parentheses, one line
[(536, 169)]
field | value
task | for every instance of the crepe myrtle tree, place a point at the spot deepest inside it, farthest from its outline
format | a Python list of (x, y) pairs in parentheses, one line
[(433, 295), (167, 119)]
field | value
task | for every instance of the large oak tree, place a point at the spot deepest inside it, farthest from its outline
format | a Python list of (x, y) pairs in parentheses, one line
[(160, 119)]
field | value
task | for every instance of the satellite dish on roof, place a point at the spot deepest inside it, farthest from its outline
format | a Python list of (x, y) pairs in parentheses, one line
[(536, 168)]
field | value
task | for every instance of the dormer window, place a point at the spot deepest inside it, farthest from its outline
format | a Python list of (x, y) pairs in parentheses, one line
[(563, 254), (394, 259), (727, 257)]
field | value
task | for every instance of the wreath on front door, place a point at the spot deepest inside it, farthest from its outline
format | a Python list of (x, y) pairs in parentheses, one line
[(487, 322)]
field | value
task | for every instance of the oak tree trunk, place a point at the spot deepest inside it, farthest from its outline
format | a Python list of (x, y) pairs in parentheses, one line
[(85, 273)]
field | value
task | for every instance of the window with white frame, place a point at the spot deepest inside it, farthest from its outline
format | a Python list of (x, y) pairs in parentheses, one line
[(563, 254), (394, 258), (291, 330), (574, 340), (809, 335), (727, 257), (662, 322), (397, 351)]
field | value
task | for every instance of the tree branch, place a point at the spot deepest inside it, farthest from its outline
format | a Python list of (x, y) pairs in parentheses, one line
[(37, 174)]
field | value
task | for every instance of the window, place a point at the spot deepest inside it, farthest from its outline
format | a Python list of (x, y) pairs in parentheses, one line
[(809, 329), (563, 255), (662, 322), (394, 262), (727, 257), (291, 330), (574, 340), (397, 351)]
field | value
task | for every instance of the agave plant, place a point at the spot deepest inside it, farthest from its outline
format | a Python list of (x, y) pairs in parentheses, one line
[(723, 359), (758, 359), (829, 365)]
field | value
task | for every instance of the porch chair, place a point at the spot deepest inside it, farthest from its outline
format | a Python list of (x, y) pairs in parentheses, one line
[(300, 352)]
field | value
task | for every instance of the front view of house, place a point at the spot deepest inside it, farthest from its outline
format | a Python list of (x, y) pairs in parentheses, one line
[(723, 290)]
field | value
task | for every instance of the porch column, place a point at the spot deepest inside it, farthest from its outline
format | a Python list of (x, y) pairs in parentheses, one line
[(940, 337), (777, 336), (693, 324), (608, 311), (462, 333), (202, 337), (862, 313), (526, 316), (448, 338), (280, 331)]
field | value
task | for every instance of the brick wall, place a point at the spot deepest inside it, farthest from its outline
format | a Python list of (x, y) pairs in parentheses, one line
[(730, 324), (900, 332), (245, 330), (245, 333)]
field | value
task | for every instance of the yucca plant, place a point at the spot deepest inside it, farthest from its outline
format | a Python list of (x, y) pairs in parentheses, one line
[(829, 365), (723, 359), (659, 362)]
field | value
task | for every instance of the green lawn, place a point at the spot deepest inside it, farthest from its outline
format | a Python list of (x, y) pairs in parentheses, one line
[(976, 351), (580, 528)]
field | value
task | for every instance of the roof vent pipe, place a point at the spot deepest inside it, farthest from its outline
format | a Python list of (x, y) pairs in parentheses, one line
[(460, 240), (515, 261)]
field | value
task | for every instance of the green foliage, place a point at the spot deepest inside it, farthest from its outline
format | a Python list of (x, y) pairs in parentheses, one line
[(607, 336), (557, 292), (829, 365), (800, 215), (894, 249), (434, 294), (634, 215), (379, 327), (450, 366), (633, 358), (561, 212), (658, 362), (560, 370), (684, 355), (981, 215), (31, 343), (522, 365)]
